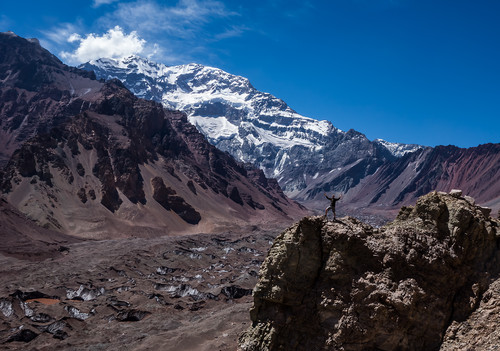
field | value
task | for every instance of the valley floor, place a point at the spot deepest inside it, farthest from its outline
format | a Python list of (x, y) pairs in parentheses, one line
[(168, 293)]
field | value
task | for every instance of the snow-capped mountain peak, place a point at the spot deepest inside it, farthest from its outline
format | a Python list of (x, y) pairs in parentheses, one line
[(253, 126), (220, 104), (398, 149)]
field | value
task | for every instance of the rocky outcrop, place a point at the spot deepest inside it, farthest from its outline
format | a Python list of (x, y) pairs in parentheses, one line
[(167, 198), (347, 286)]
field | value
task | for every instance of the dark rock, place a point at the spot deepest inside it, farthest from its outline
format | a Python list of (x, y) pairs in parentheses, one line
[(41, 318), (345, 285), (128, 175), (250, 202), (165, 270), (196, 306), (60, 334), (57, 329), (166, 197), (24, 335), (63, 249), (235, 292), (171, 170), (119, 303), (234, 195), (191, 186), (132, 315), (486, 211), (82, 195), (29, 295), (80, 170), (160, 299)]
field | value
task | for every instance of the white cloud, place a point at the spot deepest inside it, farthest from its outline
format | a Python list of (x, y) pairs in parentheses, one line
[(61, 33), (234, 31), (74, 37), (98, 3), (184, 30), (112, 44), (183, 20)]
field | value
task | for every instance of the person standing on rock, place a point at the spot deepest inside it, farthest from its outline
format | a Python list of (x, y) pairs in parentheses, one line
[(333, 200)]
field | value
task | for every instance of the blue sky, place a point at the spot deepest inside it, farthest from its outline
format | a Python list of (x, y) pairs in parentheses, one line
[(411, 71)]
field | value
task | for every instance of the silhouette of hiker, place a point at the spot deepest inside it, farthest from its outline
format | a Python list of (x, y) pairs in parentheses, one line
[(333, 200)]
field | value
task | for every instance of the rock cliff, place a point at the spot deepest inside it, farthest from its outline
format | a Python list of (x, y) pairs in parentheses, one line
[(409, 285)]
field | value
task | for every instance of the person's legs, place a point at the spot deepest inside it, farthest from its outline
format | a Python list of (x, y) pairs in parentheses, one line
[(326, 211)]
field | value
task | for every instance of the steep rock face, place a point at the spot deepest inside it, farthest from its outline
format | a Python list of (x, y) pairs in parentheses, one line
[(253, 126), (345, 285), (37, 91), (100, 171), (167, 198), (480, 330)]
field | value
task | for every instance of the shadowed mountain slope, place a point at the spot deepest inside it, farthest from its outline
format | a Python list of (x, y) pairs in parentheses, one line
[(119, 166)]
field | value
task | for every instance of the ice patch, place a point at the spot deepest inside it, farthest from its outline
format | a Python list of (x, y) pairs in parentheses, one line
[(398, 149), (216, 128)]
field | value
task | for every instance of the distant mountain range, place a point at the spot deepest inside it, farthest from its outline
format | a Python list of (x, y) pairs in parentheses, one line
[(90, 159), (306, 156)]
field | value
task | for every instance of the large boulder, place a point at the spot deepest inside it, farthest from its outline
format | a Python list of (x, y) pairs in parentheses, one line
[(347, 286)]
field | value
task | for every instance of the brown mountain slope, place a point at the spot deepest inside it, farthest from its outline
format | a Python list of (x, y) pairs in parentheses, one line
[(475, 170), (23, 239), (123, 166), (37, 91)]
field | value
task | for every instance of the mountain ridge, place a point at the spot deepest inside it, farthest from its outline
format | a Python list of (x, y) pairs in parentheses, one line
[(103, 162), (306, 156)]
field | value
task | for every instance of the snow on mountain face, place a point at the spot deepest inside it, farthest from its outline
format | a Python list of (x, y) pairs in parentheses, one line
[(253, 126), (398, 149), (207, 93)]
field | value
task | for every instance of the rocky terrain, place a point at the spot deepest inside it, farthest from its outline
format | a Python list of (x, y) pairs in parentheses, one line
[(426, 281), (103, 163), (121, 227), (306, 156), (182, 293), (37, 91)]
